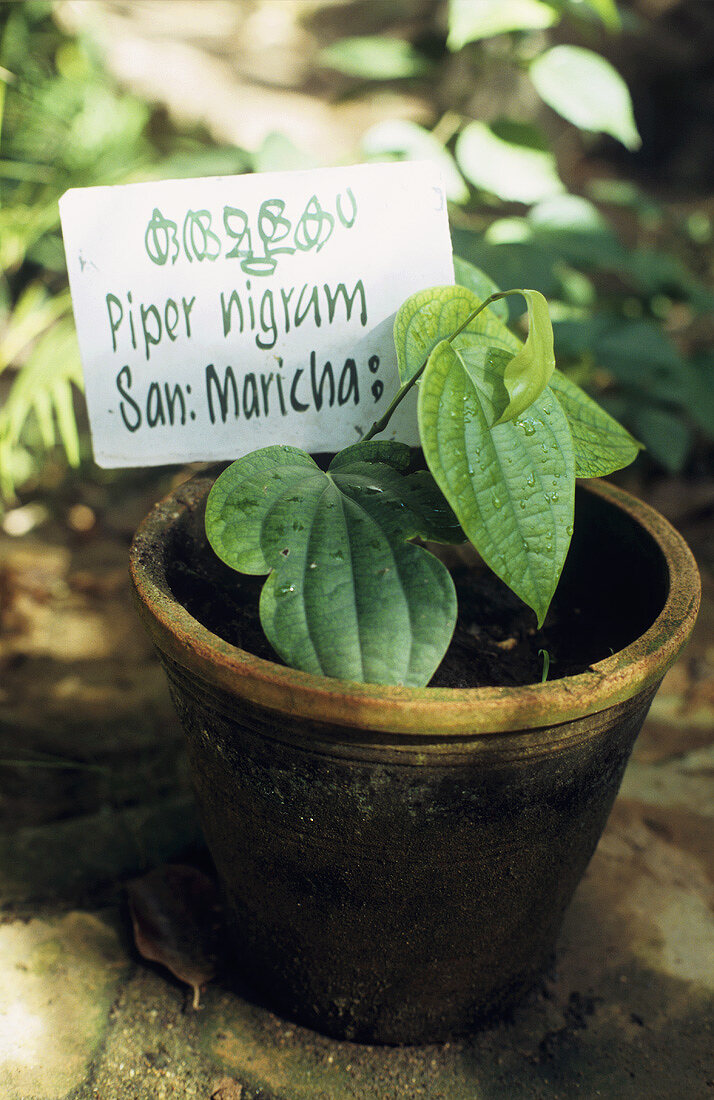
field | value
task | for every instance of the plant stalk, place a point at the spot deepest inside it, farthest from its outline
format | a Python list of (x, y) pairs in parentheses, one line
[(381, 424)]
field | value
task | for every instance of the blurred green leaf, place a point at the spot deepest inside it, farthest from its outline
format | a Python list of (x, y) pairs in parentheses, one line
[(607, 10), (374, 57), (604, 10), (514, 172), (666, 438), (402, 139), (645, 364), (586, 90), (524, 262), (576, 230), (655, 272), (472, 20), (477, 281), (575, 339), (638, 354), (199, 160), (276, 154)]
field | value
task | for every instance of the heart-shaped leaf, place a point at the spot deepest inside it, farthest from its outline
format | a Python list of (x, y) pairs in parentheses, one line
[(472, 20), (601, 444), (585, 88), (400, 138), (347, 595), (514, 170), (511, 486), (432, 315), (529, 371), (607, 10)]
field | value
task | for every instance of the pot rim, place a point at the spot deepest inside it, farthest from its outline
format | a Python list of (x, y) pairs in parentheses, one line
[(421, 711)]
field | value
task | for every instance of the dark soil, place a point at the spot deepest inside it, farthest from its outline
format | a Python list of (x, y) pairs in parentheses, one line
[(495, 643)]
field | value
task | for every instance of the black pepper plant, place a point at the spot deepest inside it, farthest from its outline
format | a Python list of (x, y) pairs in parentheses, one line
[(504, 435)]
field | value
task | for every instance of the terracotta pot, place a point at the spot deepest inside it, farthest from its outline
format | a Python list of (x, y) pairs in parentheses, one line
[(398, 860)]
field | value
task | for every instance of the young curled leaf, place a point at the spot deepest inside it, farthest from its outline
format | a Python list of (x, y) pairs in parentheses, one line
[(347, 596), (529, 371)]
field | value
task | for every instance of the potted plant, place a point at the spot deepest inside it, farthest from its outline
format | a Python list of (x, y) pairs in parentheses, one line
[(398, 857)]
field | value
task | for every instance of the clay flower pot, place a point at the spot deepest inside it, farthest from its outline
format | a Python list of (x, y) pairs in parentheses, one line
[(397, 860)]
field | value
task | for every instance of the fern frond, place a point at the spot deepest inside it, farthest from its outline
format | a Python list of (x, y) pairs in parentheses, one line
[(43, 387), (34, 312)]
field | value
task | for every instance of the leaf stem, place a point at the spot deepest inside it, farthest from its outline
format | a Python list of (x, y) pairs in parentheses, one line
[(381, 424)]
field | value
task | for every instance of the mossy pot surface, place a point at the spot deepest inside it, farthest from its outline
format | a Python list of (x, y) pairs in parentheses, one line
[(398, 860)]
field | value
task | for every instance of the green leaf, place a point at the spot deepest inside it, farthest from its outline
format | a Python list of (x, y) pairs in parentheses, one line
[(528, 372), (601, 444), (473, 20), (347, 596), (482, 285), (510, 486), (642, 357), (278, 154), (607, 10), (420, 493), (374, 57), (401, 138), (43, 386), (432, 315), (574, 229), (511, 170), (586, 90), (523, 263), (667, 439)]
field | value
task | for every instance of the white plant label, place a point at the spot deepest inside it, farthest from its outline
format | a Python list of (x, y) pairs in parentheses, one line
[(219, 315)]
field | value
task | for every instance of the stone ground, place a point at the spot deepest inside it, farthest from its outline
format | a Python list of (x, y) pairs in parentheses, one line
[(95, 793)]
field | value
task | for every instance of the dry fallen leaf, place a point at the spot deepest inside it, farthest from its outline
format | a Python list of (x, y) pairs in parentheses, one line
[(175, 913)]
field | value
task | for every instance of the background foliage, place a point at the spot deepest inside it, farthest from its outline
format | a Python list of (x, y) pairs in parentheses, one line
[(533, 126)]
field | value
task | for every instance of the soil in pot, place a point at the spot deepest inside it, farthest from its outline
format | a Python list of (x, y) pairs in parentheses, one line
[(495, 643)]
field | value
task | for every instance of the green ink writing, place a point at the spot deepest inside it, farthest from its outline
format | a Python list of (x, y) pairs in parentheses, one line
[(155, 321), (163, 404), (266, 317), (227, 400), (257, 240), (161, 239), (349, 301)]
